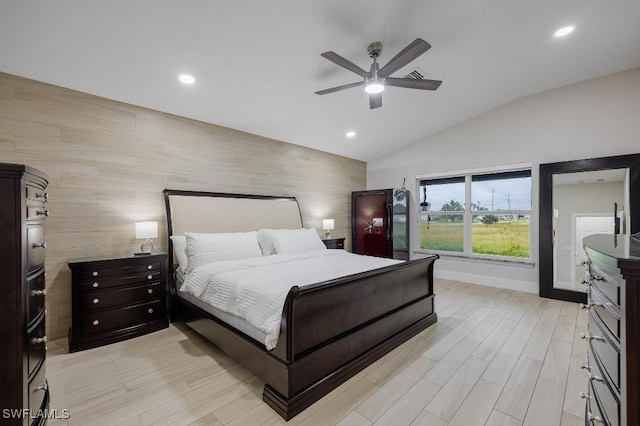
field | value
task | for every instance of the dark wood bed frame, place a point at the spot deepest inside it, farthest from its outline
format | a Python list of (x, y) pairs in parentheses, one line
[(329, 332)]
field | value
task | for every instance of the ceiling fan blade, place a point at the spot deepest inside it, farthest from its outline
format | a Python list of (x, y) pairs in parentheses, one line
[(412, 83), (375, 100), (408, 54), (344, 63), (338, 88)]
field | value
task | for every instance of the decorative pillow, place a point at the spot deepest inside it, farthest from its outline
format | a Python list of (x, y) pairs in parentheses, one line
[(294, 240), (266, 245), (180, 249), (207, 248)]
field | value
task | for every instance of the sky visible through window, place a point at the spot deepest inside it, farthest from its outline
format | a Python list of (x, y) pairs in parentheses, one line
[(498, 194)]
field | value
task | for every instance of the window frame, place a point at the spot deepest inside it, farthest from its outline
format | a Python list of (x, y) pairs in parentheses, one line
[(468, 213)]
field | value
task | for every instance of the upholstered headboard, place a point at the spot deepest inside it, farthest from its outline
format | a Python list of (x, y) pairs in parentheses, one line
[(192, 211)]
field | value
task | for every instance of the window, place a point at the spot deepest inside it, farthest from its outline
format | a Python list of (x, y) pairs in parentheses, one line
[(477, 213)]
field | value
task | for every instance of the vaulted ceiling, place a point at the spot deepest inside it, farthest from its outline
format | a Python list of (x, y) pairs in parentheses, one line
[(257, 63)]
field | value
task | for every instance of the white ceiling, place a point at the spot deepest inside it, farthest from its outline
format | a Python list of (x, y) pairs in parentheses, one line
[(258, 64)]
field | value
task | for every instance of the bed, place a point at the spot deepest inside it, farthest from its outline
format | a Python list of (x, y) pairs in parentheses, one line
[(327, 331)]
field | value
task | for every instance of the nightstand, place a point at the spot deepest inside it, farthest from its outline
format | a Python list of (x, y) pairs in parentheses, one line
[(334, 243), (116, 298)]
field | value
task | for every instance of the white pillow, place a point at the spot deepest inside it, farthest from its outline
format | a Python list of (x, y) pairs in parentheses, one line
[(206, 248), (295, 240), (180, 249)]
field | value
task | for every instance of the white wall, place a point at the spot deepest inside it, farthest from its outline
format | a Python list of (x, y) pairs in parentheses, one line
[(596, 118)]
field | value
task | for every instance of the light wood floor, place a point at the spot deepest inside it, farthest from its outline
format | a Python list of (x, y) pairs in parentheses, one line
[(495, 357)]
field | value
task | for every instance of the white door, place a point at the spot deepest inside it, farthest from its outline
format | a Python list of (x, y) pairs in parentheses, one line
[(589, 225)]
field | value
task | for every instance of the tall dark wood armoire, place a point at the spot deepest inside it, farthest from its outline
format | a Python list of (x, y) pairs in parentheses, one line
[(380, 223)]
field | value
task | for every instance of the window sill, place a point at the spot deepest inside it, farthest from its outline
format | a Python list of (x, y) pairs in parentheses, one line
[(522, 263)]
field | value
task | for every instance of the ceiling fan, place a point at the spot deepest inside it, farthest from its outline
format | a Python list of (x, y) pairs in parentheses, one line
[(375, 80)]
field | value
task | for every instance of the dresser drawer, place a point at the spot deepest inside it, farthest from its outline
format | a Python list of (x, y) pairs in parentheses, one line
[(107, 282), (602, 347), (36, 296), (607, 281), (38, 390), (96, 300), (603, 397), (121, 317), (37, 345), (35, 246), (592, 414), (607, 312)]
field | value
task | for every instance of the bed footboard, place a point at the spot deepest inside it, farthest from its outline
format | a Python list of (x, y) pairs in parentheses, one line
[(331, 331)]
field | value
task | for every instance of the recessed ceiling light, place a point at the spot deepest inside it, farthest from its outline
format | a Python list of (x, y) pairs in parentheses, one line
[(187, 79), (564, 31), (351, 134)]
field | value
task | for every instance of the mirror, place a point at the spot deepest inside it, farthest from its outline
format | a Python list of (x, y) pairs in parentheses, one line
[(580, 198)]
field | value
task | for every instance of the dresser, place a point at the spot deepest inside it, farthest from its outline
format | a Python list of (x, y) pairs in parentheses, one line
[(613, 359), (22, 316), (116, 298)]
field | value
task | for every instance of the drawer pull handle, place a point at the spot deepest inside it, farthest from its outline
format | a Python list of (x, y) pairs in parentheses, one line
[(594, 419), (150, 291), (585, 262), (94, 273), (44, 196), (42, 388), (38, 292), (584, 395), (590, 336), (42, 212), (95, 322), (149, 266), (150, 311), (149, 277), (585, 366), (95, 285), (596, 277), (596, 378), (39, 340), (41, 245), (590, 305), (96, 301)]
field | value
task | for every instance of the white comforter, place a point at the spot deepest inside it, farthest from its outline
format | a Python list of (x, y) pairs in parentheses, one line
[(255, 288)]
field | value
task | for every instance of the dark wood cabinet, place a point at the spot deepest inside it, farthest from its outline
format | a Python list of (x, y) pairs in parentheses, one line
[(24, 392), (613, 358), (380, 223), (334, 243), (116, 298)]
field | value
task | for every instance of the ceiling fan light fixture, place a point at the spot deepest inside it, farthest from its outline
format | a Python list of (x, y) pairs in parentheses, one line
[(373, 86), (564, 31)]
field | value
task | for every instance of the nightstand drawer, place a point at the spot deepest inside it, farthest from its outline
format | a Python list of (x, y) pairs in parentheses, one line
[(100, 283), (97, 300), (134, 267), (118, 318)]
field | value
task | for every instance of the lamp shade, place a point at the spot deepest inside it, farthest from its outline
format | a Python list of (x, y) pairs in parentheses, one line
[(327, 224), (146, 230)]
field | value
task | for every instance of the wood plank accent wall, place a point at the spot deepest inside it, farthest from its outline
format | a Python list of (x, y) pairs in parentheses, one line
[(108, 163)]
